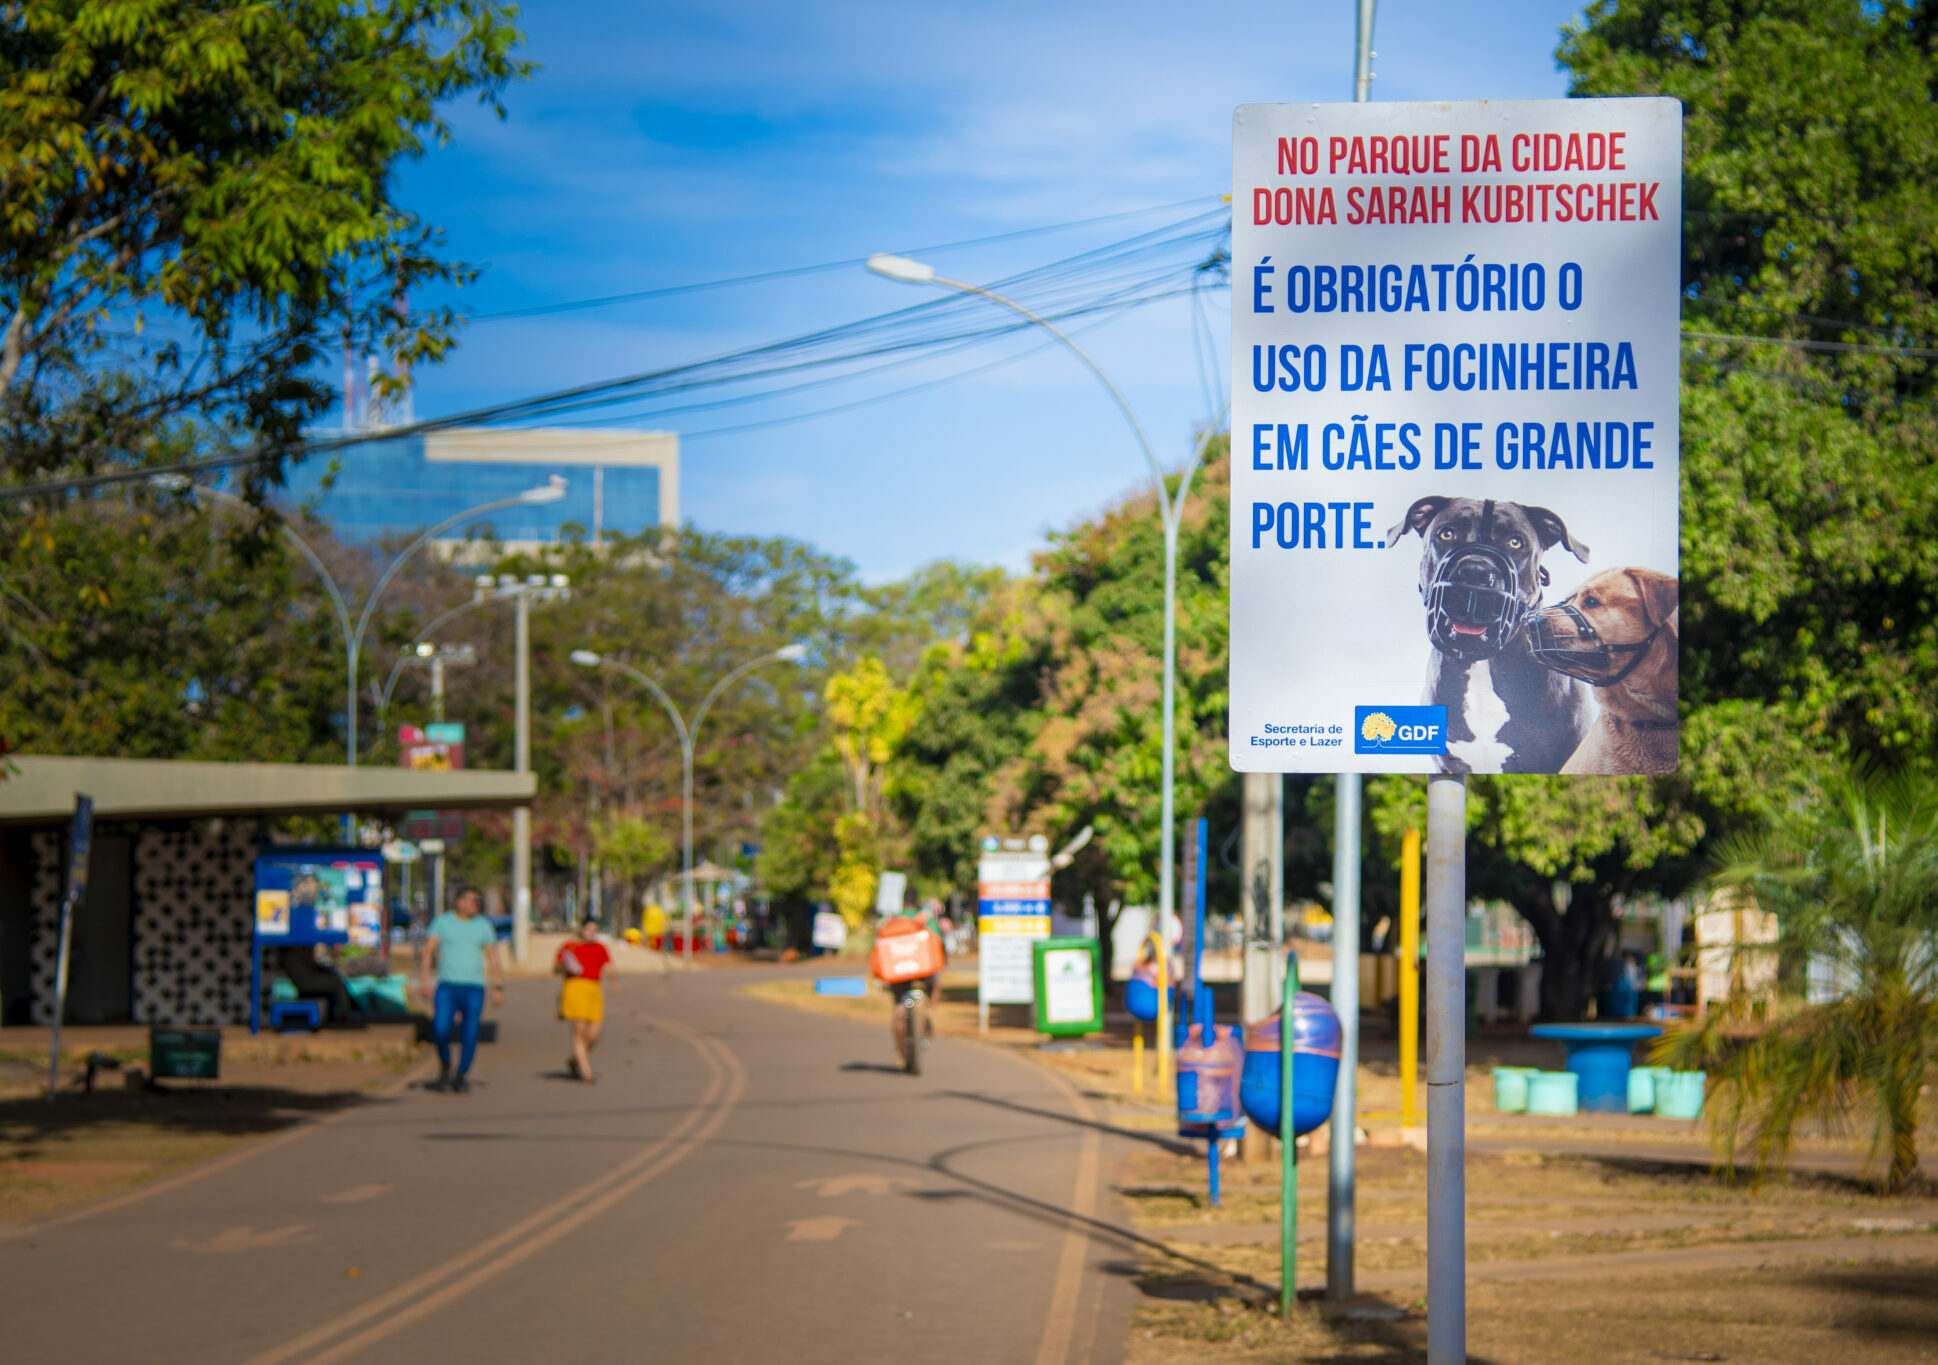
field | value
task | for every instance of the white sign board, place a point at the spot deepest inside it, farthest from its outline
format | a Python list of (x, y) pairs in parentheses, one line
[(1012, 912), (1069, 995), (1455, 369), (830, 931), (889, 891)]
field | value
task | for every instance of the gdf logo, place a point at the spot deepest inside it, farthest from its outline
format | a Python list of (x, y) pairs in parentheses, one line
[(1400, 730)]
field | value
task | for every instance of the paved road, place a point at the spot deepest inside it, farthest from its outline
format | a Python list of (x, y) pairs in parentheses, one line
[(745, 1183)]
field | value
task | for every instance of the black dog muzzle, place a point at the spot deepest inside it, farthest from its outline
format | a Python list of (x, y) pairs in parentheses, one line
[(1474, 602), (1562, 639)]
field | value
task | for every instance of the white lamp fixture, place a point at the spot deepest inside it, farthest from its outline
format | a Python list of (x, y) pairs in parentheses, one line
[(585, 658), (901, 268), (550, 491)]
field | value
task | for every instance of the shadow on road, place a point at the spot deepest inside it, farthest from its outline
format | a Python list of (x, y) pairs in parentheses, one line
[(1175, 1146), (32, 1128)]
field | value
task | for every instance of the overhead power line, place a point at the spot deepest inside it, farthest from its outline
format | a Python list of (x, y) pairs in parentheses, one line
[(1096, 283), (848, 263)]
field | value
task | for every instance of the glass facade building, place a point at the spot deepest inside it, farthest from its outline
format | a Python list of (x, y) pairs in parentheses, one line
[(616, 481)]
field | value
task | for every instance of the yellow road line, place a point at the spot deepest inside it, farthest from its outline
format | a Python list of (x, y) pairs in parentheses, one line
[(419, 1297)]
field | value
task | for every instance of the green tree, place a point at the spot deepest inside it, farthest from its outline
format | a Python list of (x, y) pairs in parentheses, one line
[(630, 847), (867, 718), (199, 211), (797, 848), (1048, 717), (1810, 498), (136, 627), (1852, 878)]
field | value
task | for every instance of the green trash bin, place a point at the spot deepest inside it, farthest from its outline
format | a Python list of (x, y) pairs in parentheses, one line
[(1553, 1092), (1511, 1088), (1678, 1094)]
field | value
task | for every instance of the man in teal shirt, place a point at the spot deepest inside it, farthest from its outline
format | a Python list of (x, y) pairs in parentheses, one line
[(460, 947)]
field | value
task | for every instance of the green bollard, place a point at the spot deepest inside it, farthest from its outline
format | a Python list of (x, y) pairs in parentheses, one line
[(1288, 1152)]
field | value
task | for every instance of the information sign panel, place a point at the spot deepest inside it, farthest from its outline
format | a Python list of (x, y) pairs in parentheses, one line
[(1069, 986), (1455, 370), (437, 748), (1012, 913)]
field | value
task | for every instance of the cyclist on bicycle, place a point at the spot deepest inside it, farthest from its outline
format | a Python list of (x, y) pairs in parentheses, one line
[(906, 962)]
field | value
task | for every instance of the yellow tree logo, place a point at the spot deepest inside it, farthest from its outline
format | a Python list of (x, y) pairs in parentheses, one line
[(1377, 728)]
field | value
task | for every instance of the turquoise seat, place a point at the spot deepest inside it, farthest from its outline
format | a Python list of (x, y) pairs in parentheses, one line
[(1641, 1088), (1553, 1092), (1678, 1094), (1511, 1088)]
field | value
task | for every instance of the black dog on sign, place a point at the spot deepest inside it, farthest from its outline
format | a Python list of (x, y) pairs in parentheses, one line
[(1480, 577)]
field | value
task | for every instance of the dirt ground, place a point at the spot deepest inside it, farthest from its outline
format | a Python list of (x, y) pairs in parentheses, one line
[(83, 1147), (1628, 1260), (1637, 1252)]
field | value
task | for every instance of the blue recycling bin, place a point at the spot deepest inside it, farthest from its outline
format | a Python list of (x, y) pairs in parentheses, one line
[(1140, 995), (1316, 1043), (1210, 1063)]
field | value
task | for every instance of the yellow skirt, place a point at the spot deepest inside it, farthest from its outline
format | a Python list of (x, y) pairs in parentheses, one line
[(582, 999)]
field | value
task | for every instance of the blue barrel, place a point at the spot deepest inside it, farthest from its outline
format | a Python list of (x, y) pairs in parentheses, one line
[(1316, 1041), (1140, 993), (1210, 1061)]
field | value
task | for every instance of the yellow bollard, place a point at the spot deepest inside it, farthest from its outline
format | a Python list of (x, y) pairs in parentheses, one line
[(1163, 1031), (1409, 976)]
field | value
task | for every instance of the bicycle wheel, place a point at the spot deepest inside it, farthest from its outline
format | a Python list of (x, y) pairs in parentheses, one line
[(912, 1033)]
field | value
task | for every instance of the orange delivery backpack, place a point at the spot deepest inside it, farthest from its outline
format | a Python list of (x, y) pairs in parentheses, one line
[(905, 951)]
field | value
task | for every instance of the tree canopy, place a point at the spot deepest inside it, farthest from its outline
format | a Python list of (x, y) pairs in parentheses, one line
[(198, 212)]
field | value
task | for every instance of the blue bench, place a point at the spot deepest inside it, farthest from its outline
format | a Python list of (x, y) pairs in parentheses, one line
[(286, 1016)]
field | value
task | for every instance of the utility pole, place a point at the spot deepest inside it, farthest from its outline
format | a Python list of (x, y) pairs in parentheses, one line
[(521, 816), (549, 588)]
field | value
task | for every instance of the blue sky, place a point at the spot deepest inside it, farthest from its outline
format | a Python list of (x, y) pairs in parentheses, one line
[(676, 142)]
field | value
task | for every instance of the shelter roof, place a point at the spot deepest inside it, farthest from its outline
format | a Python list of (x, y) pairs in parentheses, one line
[(40, 789)]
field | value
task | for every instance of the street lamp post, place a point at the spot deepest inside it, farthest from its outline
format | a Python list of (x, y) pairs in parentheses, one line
[(545, 587), (688, 735), (1171, 507)]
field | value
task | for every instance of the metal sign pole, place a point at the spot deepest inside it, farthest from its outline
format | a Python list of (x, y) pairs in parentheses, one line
[(1345, 917), (1446, 1069), (1288, 1145), (80, 838), (1345, 1002)]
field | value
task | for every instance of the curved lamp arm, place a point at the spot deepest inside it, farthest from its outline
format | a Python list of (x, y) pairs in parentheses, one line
[(1116, 396), (672, 711), (405, 655), (785, 654), (425, 538)]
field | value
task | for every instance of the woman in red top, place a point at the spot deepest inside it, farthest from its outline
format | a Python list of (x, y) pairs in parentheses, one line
[(582, 1001)]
